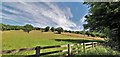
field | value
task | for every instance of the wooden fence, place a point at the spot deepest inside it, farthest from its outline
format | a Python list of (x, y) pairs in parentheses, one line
[(38, 49)]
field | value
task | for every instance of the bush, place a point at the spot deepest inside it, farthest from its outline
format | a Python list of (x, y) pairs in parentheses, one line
[(103, 36), (88, 33), (65, 31), (95, 34), (27, 28), (98, 34), (72, 31), (52, 29), (77, 32), (92, 34), (47, 29), (81, 32), (59, 30)]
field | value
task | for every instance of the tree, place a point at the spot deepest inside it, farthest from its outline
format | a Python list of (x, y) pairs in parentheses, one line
[(105, 15), (47, 29), (88, 33), (59, 29), (70, 31), (52, 29), (77, 32), (37, 28), (27, 28), (65, 31), (3, 27)]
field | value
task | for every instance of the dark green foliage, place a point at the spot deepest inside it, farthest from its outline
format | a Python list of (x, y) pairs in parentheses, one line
[(105, 18), (5, 27), (59, 29), (65, 31), (37, 28), (98, 34), (27, 28), (52, 29), (81, 32), (77, 32), (93, 34), (102, 35), (47, 29), (88, 33), (70, 31)]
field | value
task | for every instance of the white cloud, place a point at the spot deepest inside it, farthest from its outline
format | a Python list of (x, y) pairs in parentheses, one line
[(40, 14)]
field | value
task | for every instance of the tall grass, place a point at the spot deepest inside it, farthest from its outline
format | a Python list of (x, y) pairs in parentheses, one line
[(99, 51)]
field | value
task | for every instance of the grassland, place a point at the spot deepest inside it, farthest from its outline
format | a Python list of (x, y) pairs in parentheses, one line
[(19, 39), (80, 36)]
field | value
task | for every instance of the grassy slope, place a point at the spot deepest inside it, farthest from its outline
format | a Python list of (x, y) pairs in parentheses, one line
[(19, 39), (82, 36)]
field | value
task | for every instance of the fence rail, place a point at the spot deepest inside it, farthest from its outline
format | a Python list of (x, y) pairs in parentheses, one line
[(38, 49)]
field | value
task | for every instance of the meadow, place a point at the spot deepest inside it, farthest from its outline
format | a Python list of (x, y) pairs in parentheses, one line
[(15, 39), (20, 39)]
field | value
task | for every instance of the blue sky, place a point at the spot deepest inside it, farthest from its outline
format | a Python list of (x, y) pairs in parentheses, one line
[(69, 15)]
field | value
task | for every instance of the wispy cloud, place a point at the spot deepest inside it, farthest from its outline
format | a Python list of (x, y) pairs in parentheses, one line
[(82, 21), (38, 14)]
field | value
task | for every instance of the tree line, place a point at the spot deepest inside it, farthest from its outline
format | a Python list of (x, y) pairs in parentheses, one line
[(27, 28)]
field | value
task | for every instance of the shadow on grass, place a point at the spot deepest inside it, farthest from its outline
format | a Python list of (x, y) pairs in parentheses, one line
[(79, 40), (32, 56), (63, 56)]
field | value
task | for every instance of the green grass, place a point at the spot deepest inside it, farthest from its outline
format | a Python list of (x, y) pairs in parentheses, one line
[(99, 51), (19, 39)]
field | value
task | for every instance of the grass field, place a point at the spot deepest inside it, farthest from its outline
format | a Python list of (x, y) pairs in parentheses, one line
[(19, 39)]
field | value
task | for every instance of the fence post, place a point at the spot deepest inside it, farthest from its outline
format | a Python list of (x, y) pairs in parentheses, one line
[(92, 44), (77, 48), (38, 51), (69, 50), (96, 44), (84, 47)]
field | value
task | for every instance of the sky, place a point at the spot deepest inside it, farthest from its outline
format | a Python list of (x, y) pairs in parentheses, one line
[(68, 15)]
